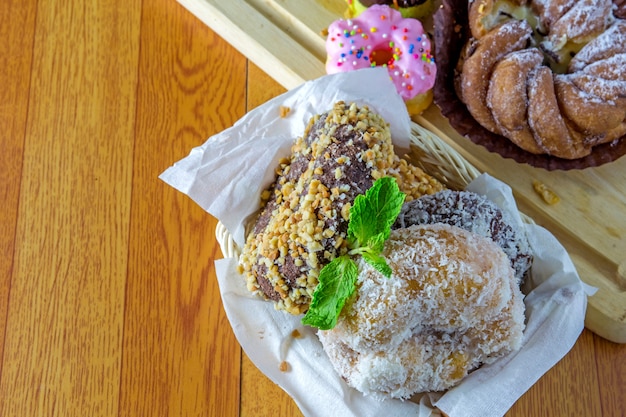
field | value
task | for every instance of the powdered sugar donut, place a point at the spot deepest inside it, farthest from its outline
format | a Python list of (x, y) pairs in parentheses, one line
[(380, 36)]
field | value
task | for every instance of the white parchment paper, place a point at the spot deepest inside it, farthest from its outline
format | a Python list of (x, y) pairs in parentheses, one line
[(225, 176)]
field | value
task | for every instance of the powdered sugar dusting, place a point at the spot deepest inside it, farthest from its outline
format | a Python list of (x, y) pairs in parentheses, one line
[(608, 90), (581, 38), (610, 42), (611, 68), (551, 10), (586, 17)]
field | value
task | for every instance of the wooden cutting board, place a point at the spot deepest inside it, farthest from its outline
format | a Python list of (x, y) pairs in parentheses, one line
[(284, 38)]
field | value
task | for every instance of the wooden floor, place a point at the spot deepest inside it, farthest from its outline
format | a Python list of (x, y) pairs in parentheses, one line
[(109, 304)]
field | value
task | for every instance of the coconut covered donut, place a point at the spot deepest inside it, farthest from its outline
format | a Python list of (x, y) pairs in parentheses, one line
[(451, 304), (475, 213), (546, 74)]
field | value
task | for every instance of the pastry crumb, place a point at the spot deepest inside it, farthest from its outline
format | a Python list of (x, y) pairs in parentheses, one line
[(296, 334), (284, 366), (545, 193), (284, 111)]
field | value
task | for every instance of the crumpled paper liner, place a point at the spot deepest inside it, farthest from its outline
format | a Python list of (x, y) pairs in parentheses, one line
[(226, 175), (451, 32)]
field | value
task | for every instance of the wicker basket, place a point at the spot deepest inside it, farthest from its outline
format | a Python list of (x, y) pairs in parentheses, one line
[(428, 152)]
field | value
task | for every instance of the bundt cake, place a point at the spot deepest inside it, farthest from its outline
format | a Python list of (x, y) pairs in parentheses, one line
[(549, 75)]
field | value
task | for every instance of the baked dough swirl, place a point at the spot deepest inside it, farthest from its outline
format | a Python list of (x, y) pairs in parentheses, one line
[(549, 75)]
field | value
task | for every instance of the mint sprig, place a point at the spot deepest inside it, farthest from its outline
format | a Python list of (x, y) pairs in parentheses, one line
[(373, 214), (369, 226), (336, 283)]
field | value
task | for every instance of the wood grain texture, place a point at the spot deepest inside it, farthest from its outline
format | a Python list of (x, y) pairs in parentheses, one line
[(570, 388), (180, 355), (17, 22), (610, 359), (109, 304), (65, 313)]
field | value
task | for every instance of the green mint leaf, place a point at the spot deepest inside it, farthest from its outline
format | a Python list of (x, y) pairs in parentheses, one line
[(378, 262), (369, 226), (337, 282), (374, 213), (376, 243)]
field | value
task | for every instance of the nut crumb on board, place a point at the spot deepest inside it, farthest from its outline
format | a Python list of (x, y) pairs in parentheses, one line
[(545, 193)]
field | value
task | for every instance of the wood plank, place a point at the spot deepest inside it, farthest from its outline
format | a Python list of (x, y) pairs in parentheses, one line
[(63, 338), (570, 388), (17, 28), (304, 25), (180, 354), (261, 397), (589, 219), (258, 38), (611, 363), (254, 384)]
